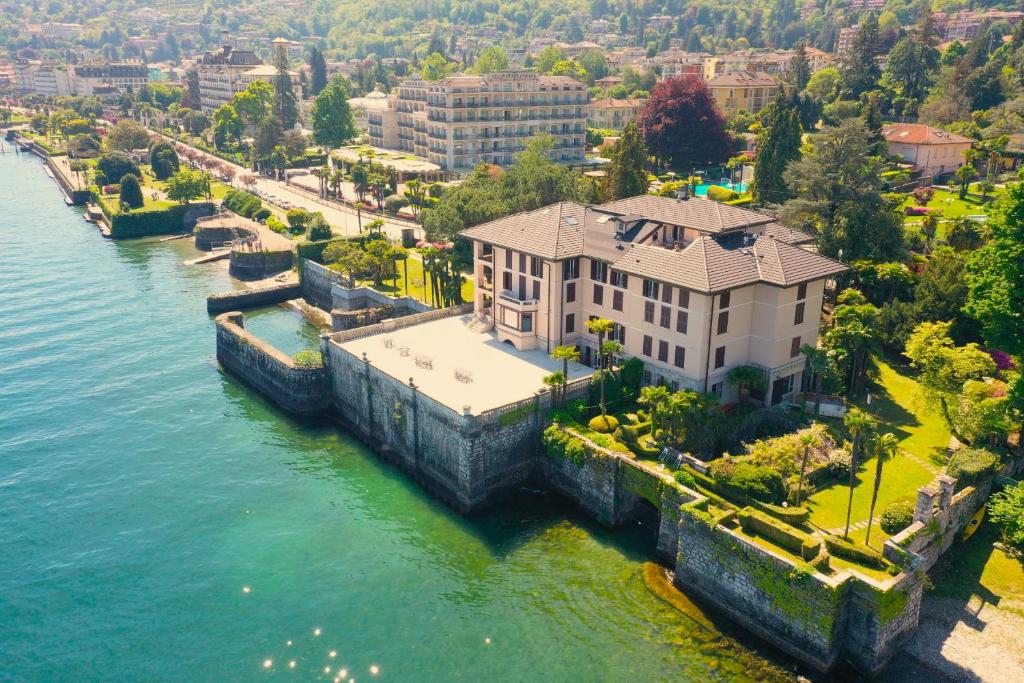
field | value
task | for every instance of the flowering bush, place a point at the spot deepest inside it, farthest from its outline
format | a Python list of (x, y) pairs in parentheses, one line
[(1002, 359), (111, 189)]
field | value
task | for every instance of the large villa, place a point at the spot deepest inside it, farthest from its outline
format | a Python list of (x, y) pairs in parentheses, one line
[(694, 287)]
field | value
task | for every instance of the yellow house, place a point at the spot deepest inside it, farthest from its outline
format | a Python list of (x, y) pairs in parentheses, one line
[(750, 92)]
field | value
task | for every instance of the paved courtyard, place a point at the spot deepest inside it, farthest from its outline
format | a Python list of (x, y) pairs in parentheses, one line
[(458, 366)]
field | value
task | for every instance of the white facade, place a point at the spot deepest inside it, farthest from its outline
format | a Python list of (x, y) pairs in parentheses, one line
[(463, 120)]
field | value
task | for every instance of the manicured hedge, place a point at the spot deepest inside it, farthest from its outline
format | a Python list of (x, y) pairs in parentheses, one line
[(855, 552), (242, 203), (971, 465), (759, 482), (722, 194), (146, 223), (791, 539), (790, 515)]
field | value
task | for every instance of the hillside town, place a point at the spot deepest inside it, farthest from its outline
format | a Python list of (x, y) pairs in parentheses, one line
[(750, 278)]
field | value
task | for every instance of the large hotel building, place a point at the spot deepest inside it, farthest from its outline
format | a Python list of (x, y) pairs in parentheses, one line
[(465, 120), (694, 287)]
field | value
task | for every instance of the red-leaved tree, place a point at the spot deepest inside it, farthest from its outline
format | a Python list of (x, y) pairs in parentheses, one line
[(682, 125)]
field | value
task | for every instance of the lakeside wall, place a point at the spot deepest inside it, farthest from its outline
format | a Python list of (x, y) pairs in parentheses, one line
[(467, 460), (301, 391), (471, 461)]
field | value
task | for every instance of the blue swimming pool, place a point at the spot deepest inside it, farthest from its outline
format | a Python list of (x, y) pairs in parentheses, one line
[(702, 189)]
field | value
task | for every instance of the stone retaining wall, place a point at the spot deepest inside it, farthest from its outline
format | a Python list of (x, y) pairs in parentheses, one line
[(300, 391), (317, 281), (252, 298), (349, 320), (755, 587), (358, 298), (258, 265), (209, 237), (467, 463)]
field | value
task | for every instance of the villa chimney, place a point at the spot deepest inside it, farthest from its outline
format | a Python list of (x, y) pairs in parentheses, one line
[(683, 192)]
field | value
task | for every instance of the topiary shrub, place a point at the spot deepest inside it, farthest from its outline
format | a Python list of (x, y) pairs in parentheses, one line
[(131, 192), (626, 434), (603, 424), (722, 194), (261, 214), (971, 465), (277, 226), (759, 482), (897, 516), (163, 160)]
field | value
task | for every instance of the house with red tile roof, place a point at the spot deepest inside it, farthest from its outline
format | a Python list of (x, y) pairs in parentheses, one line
[(932, 151)]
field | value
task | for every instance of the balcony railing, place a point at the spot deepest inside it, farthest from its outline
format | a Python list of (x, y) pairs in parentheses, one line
[(509, 297)]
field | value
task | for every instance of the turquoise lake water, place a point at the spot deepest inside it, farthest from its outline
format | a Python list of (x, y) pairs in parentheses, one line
[(142, 492)]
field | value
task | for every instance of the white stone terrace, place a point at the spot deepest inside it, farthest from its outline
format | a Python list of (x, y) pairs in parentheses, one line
[(458, 366)]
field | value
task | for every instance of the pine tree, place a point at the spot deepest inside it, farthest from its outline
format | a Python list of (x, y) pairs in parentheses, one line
[(286, 109), (860, 70), (799, 71), (317, 70), (627, 172), (778, 143)]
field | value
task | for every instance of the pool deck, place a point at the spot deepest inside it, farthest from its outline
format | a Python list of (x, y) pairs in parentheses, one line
[(443, 354)]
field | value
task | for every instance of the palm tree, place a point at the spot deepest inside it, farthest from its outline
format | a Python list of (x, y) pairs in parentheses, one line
[(565, 354), (817, 361), (885, 446), (747, 379), (601, 327), (808, 440), (553, 382), (858, 422), (655, 397)]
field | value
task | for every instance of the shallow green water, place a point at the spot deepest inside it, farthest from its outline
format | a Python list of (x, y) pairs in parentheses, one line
[(141, 490)]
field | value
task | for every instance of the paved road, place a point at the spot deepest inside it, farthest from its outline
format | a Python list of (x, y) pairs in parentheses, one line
[(343, 219)]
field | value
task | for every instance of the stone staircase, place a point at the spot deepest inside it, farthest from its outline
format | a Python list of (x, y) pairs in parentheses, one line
[(481, 324)]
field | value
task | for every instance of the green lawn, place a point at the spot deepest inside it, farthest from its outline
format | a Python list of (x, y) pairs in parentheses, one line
[(978, 569), (416, 286), (951, 206), (899, 410)]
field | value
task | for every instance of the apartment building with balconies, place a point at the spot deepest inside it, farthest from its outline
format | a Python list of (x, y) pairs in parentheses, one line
[(694, 287), (465, 120)]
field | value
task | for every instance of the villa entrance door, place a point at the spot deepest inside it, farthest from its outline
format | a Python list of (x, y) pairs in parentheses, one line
[(779, 388)]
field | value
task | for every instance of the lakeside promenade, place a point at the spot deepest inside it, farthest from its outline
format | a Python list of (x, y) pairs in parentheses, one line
[(344, 220)]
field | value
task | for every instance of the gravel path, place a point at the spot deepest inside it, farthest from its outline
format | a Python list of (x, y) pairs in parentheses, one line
[(976, 642)]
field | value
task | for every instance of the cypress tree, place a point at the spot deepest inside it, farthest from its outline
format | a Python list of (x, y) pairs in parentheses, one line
[(131, 193), (317, 70), (286, 109), (627, 172), (778, 143)]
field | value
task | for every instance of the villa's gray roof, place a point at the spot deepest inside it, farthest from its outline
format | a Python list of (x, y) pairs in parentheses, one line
[(700, 214), (706, 266), (552, 232), (787, 235), (568, 230)]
